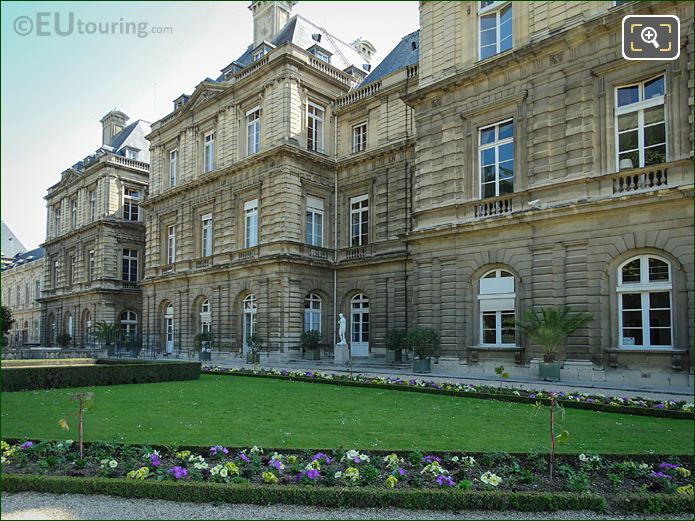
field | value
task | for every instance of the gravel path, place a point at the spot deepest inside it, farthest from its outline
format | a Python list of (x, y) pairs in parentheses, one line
[(30, 505)]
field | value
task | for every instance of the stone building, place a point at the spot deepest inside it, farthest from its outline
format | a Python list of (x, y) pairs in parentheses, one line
[(502, 158), (95, 237)]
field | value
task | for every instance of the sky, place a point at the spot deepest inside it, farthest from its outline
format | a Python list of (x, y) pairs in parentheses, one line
[(56, 88)]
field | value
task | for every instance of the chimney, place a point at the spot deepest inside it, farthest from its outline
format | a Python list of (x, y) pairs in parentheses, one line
[(112, 124), (268, 18)]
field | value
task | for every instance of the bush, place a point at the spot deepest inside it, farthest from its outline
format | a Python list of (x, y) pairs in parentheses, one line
[(395, 339), (311, 340), (424, 342), (104, 372), (203, 340), (63, 340)]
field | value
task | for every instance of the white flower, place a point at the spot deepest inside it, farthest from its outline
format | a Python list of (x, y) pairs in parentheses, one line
[(491, 479), (3, 459), (469, 461), (338, 475), (435, 469), (113, 464), (103, 462), (215, 470), (256, 450), (583, 458), (455, 459), (69, 442), (200, 466), (224, 472)]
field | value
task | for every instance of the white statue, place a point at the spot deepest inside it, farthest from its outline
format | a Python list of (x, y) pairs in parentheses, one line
[(341, 328)]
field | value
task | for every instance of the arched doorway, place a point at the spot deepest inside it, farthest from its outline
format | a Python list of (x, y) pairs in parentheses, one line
[(25, 332), (169, 329), (51, 330), (249, 312), (87, 328), (359, 319)]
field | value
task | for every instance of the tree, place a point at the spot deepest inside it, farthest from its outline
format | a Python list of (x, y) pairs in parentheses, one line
[(7, 319), (550, 327)]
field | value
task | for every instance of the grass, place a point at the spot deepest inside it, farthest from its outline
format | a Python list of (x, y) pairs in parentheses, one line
[(241, 411)]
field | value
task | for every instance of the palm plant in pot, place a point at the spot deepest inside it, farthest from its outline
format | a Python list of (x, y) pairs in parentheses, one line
[(311, 344), (395, 342), (549, 328), (424, 343), (203, 344)]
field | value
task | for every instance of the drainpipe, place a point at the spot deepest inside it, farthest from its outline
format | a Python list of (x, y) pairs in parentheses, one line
[(335, 229)]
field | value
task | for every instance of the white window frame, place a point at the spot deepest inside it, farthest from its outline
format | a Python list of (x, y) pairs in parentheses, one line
[(359, 137), (496, 146), (251, 223), (499, 303), (496, 9), (640, 107), (205, 316), (173, 167), (131, 206), (92, 205), (313, 305), (171, 244), (129, 324), (209, 152), (314, 221), (322, 56), (316, 115), (644, 288), (73, 214), (361, 238), (131, 154), (253, 131), (206, 235), (249, 309), (132, 259), (90, 265)]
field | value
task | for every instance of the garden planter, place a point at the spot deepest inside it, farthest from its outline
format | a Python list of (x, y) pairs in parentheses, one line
[(549, 371), (422, 366), (253, 359), (313, 354), (393, 356), (205, 356)]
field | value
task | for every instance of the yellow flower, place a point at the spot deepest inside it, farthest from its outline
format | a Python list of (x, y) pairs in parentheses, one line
[(4, 445), (683, 472), (291, 460), (232, 468), (183, 454), (269, 477), (141, 473), (687, 489), (391, 482)]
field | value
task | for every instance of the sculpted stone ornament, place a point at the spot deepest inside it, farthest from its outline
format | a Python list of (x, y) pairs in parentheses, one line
[(341, 353), (341, 328)]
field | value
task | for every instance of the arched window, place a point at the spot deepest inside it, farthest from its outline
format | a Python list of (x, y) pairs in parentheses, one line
[(496, 298), (359, 319), (249, 311), (129, 323), (68, 325), (644, 302), (169, 329), (205, 317), (312, 312)]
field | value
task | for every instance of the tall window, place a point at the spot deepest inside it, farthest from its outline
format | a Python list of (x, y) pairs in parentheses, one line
[(312, 313), (253, 131), (72, 269), (57, 220), (205, 317), (359, 137), (131, 204), (644, 301), (129, 323), (640, 124), (497, 159), (92, 205), (359, 220), (18, 297), (37, 290), (206, 235), (496, 299), (27, 295), (73, 214), (251, 223), (314, 221), (171, 244), (54, 274), (314, 126), (173, 167), (209, 152), (130, 265), (495, 28), (250, 311), (90, 266)]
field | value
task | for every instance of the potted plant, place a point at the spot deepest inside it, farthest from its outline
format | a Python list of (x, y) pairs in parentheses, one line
[(254, 344), (424, 343), (550, 328), (395, 342), (203, 343), (311, 344), (63, 340)]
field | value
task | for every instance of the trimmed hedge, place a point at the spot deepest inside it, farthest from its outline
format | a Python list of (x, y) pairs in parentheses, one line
[(654, 503), (312, 496), (623, 409), (104, 372)]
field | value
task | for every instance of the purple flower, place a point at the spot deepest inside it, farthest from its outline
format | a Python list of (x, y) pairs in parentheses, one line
[(310, 374), (26, 445), (589, 400), (659, 406), (445, 481), (244, 457), (401, 472), (284, 372), (531, 395), (312, 474), (276, 464), (178, 472), (431, 459), (321, 455), (154, 460), (356, 459), (412, 381), (665, 465), (218, 448), (660, 475)]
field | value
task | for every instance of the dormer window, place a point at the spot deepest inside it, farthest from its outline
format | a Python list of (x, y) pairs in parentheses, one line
[(131, 154), (321, 53), (259, 54)]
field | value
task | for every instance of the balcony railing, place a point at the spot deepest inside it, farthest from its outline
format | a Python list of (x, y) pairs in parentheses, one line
[(131, 163), (356, 252), (126, 284), (359, 94), (643, 179), (497, 206), (203, 263), (317, 252), (248, 254)]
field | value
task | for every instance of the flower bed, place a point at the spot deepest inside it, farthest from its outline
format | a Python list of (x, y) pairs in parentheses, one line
[(598, 402), (443, 480)]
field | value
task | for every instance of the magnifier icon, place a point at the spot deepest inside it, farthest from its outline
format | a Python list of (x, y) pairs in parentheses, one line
[(648, 35)]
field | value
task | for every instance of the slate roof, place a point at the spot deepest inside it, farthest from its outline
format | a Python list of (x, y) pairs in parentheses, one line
[(401, 56), (24, 258), (11, 245)]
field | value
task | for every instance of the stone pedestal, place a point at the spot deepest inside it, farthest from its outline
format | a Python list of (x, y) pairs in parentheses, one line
[(341, 354)]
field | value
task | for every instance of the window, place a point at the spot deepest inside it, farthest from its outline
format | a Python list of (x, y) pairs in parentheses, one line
[(496, 300), (129, 324), (250, 311), (90, 266), (322, 56), (497, 159), (54, 274), (644, 302), (206, 235), (314, 221), (495, 28), (209, 150), (205, 317), (359, 219), (37, 290), (171, 244), (640, 124), (72, 267), (73, 214), (312, 313), (359, 137), (314, 125), (259, 54), (253, 131), (130, 265), (131, 154), (251, 223), (131, 208), (27, 296), (18, 296), (57, 220), (92, 205), (173, 166)]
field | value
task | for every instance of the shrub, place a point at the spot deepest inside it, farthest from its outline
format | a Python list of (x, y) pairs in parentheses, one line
[(203, 340), (424, 342), (310, 340), (395, 339), (63, 340)]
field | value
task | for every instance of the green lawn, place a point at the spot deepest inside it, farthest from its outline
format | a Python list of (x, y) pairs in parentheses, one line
[(234, 410)]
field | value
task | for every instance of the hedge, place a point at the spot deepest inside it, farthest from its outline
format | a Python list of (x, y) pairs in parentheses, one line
[(654, 503), (424, 499), (103, 372), (623, 409)]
